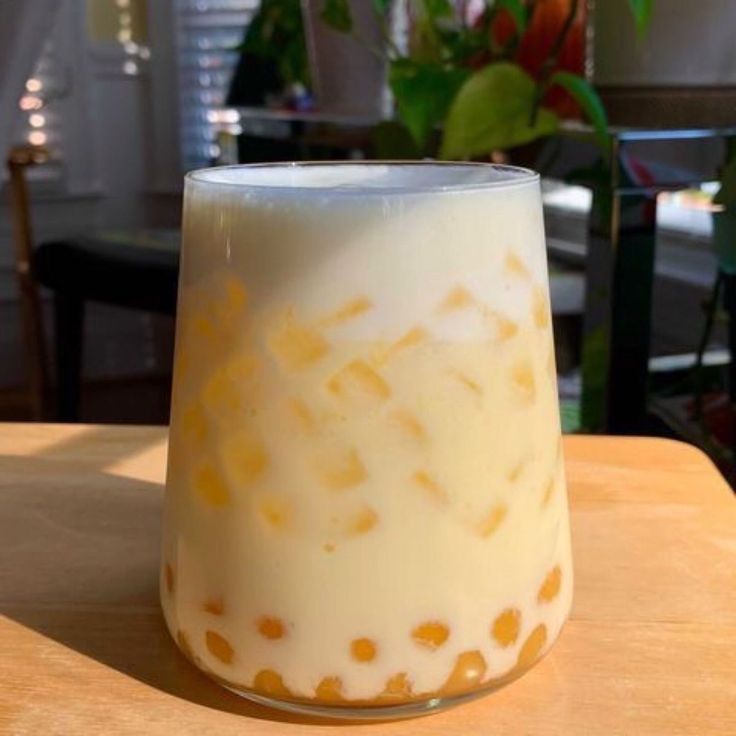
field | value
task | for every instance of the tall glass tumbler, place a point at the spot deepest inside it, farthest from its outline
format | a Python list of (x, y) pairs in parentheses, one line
[(366, 510)]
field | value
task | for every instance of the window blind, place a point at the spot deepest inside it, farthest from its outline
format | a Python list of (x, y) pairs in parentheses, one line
[(209, 32)]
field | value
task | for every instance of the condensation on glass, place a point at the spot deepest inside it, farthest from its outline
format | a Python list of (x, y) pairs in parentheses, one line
[(366, 509)]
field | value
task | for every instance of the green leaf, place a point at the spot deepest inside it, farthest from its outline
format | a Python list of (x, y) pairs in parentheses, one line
[(642, 12), (381, 6), (726, 195), (423, 92), (584, 94), (336, 13), (517, 10), (392, 141), (493, 111), (438, 8)]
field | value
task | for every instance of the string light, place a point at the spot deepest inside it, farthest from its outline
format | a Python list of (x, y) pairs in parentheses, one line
[(36, 136), (223, 116), (30, 102), (134, 52)]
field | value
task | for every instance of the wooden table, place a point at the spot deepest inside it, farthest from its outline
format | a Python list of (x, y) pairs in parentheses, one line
[(650, 647)]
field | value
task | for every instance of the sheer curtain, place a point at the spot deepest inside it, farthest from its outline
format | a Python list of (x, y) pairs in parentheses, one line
[(24, 27)]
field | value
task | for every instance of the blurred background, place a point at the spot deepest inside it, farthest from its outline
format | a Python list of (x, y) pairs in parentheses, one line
[(627, 107)]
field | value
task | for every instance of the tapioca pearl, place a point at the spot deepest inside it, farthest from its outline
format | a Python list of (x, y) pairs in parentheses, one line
[(430, 634), (398, 687), (329, 690), (350, 310), (473, 386), (214, 605), (505, 629), (523, 381), (361, 522), (210, 485), (193, 423), (468, 672), (363, 650), (551, 585), (339, 468), (219, 647), (276, 512), (268, 682), (271, 627), (408, 424), (492, 520), (458, 298), (296, 346), (514, 266), (430, 486), (244, 457), (360, 383), (540, 307), (169, 578), (301, 416), (532, 648)]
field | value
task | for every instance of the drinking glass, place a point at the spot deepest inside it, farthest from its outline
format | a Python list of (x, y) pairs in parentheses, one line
[(366, 511)]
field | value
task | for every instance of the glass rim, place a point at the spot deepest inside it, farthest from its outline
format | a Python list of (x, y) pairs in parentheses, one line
[(506, 177)]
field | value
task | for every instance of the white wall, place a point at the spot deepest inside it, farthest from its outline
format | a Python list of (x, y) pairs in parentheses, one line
[(121, 171), (690, 42)]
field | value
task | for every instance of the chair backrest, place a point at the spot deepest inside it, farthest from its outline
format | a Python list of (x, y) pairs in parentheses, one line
[(24, 27), (34, 334)]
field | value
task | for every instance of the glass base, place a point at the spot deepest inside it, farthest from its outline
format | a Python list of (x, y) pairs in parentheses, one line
[(366, 712), (385, 707)]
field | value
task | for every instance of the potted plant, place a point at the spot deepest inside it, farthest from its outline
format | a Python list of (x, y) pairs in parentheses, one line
[(489, 75)]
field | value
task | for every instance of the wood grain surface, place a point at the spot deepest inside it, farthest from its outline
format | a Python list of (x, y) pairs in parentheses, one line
[(650, 647)]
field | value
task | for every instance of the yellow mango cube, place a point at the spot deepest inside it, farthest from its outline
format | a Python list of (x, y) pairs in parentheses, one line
[(339, 468), (359, 382), (296, 346), (244, 458), (523, 382), (210, 485), (458, 298), (352, 309)]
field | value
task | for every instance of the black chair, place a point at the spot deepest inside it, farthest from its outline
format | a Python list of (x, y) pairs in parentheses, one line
[(121, 272), (136, 270)]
